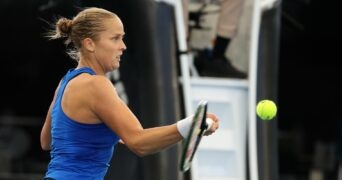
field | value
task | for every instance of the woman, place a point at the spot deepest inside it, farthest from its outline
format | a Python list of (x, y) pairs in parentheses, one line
[(86, 118)]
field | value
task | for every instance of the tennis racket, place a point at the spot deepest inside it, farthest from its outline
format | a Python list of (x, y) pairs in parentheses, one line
[(194, 137)]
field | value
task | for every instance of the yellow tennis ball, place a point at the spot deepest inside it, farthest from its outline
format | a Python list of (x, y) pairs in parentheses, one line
[(266, 109)]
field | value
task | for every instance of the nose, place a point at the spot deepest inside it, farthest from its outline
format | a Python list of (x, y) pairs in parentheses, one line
[(123, 47)]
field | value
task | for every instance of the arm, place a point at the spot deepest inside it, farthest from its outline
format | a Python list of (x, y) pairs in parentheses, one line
[(45, 134), (117, 116)]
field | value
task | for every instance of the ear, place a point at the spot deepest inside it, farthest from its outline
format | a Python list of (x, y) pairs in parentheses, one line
[(89, 44)]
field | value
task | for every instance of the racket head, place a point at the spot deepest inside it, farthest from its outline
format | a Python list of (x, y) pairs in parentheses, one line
[(194, 137)]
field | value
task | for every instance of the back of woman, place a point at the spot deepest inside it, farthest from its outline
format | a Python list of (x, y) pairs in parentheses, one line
[(78, 149)]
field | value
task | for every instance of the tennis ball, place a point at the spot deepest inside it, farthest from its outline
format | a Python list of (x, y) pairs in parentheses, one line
[(266, 109)]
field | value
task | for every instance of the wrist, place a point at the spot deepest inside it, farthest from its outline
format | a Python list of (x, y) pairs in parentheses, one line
[(183, 126)]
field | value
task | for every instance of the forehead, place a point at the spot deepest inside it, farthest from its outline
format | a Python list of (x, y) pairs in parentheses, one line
[(114, 25)]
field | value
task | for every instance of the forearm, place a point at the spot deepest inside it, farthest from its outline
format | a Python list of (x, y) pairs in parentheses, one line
[(153, 140)]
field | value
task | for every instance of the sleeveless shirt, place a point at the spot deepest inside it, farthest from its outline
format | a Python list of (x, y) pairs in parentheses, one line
[(78, 150)]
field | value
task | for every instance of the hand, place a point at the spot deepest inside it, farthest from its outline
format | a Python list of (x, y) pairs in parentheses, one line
[(214, 125)]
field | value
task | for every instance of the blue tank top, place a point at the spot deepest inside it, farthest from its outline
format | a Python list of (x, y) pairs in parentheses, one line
[(78, 150)]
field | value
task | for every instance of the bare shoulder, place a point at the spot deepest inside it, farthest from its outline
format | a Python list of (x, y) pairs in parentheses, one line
[(91, 83), (97, 81), (101, 86), (103, 98)]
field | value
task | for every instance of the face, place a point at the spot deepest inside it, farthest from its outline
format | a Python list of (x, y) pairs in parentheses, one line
[(110, 46)]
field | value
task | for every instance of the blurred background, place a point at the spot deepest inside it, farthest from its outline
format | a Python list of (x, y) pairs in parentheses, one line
[(308, 87)]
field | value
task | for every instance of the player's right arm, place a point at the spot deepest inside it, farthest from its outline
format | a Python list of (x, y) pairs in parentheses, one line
[(110, 109)]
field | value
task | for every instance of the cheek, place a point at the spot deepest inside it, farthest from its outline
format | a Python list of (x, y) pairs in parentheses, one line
[(107, 52), (109, 49), (112, 49)]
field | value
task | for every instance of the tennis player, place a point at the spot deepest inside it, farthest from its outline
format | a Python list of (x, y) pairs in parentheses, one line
[(86, 118)]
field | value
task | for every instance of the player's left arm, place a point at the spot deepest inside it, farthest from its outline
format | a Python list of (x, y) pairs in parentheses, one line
[(45, 134)]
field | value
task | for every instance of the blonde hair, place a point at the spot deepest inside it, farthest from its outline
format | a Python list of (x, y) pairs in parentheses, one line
[(86, 24)]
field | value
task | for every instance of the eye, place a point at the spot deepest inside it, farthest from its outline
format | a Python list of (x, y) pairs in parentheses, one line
[(117, 38)]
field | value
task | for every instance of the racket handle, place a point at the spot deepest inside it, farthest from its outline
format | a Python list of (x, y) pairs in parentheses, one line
[(209, 122)]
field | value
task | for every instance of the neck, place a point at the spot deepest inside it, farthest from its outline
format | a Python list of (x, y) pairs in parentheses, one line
[(87, 60), (85, 63)]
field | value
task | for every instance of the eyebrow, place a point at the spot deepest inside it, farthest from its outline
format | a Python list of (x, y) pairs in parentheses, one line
[(119, 34)]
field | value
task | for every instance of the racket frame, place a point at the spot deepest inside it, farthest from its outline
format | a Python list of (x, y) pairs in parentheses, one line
[(201, 110)]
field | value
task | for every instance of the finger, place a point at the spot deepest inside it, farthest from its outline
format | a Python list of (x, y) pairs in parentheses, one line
[(209, 122), (212, 116), (212, 126)]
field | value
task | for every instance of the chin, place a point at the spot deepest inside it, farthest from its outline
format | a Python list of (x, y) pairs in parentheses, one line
[(116, 66)]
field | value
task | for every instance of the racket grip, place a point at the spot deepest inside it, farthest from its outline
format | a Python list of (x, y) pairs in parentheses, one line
[(209, 122)]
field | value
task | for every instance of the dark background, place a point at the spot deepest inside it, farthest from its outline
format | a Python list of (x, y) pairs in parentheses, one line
[(309, 97), (310, 124)]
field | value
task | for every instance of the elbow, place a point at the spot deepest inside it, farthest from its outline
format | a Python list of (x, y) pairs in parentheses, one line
[(45, 147), (140, 154), (45, 140), (139, 151), (44, 144)]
